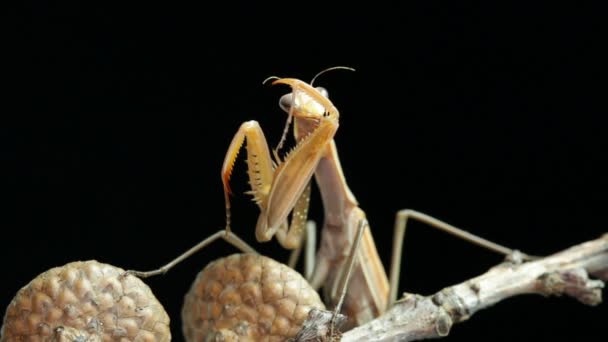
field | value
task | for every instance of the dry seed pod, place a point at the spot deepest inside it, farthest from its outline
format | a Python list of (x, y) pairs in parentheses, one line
[(247, 297), (85, 302)]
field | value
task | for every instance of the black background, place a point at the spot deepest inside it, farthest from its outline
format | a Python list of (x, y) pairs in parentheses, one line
[(489, 117)]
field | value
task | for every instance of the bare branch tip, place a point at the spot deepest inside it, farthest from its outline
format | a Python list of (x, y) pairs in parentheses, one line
[(574, 283)]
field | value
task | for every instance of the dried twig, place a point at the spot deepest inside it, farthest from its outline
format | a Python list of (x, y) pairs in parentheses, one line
[(416, 317)]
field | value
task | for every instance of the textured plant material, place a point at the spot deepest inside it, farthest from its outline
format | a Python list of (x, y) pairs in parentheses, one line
[(85, 301), (567, 273), (247, 297)]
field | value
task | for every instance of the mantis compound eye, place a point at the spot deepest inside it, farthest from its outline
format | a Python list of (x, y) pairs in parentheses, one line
[(286, 100), (323, 92)]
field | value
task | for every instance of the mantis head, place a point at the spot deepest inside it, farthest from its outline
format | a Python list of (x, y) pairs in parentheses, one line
[(306, 101)]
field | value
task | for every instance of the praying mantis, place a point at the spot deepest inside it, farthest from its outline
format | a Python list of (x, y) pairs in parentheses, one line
[(286, 188), (347, 253)]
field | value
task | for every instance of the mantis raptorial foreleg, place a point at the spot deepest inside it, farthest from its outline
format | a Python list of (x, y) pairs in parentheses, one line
[(260, 166), (401, 221), (261, 176), (292, 237)]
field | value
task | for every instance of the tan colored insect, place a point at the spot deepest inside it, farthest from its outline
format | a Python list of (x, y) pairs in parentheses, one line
[(347, 252), (277, 191)]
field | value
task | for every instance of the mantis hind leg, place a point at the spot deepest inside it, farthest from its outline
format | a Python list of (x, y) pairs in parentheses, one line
[(401, 221), (261, 172)]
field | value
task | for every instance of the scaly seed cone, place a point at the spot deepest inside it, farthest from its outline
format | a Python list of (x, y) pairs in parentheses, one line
[(85, 301), (247, 297)]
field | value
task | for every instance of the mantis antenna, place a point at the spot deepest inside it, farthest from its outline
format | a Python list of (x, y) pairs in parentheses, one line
[(339, 67), (330, 69), (270, 78)]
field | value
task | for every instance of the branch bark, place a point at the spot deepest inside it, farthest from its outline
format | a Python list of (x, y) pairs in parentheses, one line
[(416, 317)]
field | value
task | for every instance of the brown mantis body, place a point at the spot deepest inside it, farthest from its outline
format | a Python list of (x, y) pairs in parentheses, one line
[(347, 252), (287, 188)]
